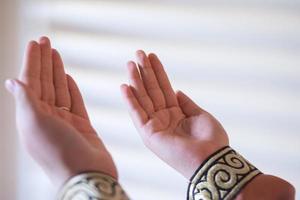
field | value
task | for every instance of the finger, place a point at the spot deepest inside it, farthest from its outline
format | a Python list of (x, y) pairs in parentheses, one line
[(48, 92), (30, 73), (77, 104), (150, 81), (163, 81), (138, 114), (62, 95), (138, 88), (189, 108)]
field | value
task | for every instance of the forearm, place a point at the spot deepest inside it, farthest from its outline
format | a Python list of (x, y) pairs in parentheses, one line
[(267, 187)]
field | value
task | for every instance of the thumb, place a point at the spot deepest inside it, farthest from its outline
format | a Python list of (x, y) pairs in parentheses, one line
[(19, 90), (188, 107), (10, 85)]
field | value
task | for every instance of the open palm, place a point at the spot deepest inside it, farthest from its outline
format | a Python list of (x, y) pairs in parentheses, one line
[(52, 118), (171, 124)]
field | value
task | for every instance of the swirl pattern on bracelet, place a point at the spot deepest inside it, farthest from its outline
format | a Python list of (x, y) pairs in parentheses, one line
[(221, 176), (92, 186)]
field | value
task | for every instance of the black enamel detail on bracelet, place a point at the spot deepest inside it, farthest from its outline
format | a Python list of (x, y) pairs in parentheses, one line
[(221, 176), (92, 186)]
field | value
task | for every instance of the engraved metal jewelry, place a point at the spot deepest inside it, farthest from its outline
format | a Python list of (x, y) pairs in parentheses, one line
[(64, 108), (92, 186), (221, 176)]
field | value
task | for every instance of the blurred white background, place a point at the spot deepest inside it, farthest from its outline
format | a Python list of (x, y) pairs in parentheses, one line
[(240, 60)]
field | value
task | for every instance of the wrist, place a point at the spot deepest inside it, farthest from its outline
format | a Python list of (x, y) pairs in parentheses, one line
[(200, 156), (267, 187), (70, 166), (221, 176), (92, 185)]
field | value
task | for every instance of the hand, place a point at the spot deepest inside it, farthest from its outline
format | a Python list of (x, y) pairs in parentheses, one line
[(177, 130), (52, 120)]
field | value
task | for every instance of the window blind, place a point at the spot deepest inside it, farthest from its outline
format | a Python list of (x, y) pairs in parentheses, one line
[(240, 61)]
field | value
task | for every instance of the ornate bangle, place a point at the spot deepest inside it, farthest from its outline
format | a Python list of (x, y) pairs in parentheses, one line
[(221, 176), (92, 185)]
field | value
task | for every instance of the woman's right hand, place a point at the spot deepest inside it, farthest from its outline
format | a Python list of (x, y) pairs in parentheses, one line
[(52, 119)]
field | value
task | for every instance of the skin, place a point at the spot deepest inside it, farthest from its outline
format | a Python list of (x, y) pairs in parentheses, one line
[(64, 143), (178, 131), (171, 125), (55, 137)]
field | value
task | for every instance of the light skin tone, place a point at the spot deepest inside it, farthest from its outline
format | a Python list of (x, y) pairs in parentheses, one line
[(178, 131), (174, 127), (54, 126), (53, 136)]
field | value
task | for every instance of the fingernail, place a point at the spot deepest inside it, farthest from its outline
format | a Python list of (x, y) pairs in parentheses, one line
[(32, 43), (123, 86), (10, 85), (140, 53), (179, 92), (44, 40)]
